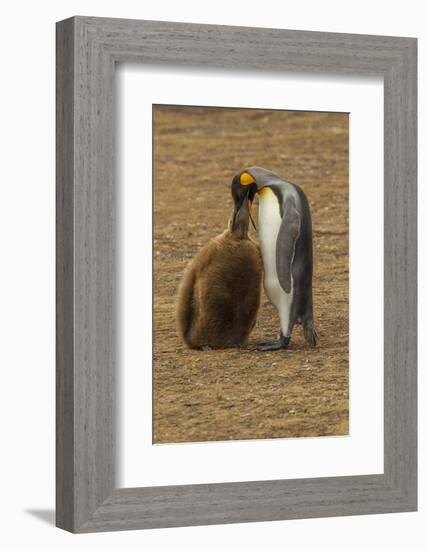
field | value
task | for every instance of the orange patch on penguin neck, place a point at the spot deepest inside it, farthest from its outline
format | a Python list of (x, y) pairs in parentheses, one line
[(265, 191)]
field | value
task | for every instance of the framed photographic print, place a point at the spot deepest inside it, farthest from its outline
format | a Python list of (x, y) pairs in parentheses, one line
[(236, 274)]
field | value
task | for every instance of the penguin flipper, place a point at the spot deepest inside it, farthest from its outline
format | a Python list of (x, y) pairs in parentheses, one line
[(288, 234)]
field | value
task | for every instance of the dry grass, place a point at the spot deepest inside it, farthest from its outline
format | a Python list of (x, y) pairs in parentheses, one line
[(244, 394)]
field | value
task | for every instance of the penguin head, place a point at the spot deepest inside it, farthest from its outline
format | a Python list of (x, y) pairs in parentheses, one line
[(243, 197), (257, 178)]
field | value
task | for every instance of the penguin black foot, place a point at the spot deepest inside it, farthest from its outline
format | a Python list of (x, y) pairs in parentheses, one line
[(273, 345)]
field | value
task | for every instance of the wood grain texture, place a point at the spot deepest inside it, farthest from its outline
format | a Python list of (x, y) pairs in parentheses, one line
[(64, 277), (87, 49)]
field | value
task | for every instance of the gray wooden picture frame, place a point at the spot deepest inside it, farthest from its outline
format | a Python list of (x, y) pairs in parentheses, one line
[(87, 50)]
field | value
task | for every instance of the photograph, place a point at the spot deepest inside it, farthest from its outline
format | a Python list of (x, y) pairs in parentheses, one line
[(250, 274)]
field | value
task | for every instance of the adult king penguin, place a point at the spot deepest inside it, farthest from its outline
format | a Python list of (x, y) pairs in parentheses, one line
[(285, 233)]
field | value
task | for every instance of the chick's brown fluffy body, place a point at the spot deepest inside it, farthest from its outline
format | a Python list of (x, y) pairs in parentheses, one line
[(219, 295)]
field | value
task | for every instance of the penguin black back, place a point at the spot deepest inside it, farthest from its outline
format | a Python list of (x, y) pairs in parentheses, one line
[(302, 308)]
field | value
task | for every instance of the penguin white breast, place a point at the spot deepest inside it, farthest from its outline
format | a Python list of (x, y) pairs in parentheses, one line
[(269, 222)]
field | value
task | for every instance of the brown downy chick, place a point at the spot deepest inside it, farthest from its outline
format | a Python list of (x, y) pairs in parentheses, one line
[(219, 295)]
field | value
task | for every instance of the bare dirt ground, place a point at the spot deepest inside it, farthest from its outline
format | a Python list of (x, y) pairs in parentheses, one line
[(245, 394)]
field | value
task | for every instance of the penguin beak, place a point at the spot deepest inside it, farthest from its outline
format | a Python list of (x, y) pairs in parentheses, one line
[(252, 191), (250, 212), (246, 204), (243, 197)]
